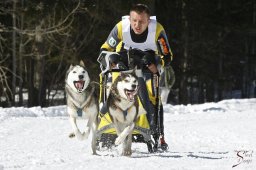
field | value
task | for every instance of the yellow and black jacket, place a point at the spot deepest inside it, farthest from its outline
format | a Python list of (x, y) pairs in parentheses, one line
[(116, 39)]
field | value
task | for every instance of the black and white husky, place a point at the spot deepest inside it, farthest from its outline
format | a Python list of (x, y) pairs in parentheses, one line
[(123, 106), (81, 102)]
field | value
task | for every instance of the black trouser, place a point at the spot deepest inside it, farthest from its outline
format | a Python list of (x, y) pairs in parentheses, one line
[(154, 112)]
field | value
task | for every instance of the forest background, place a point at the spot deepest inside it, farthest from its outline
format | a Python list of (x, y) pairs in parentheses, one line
[(213, 42)]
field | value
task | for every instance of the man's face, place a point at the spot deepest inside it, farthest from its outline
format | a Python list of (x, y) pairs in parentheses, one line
[(139, 22)]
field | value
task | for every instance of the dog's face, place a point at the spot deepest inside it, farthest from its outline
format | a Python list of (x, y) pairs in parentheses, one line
[(127, 86), (77, 78)]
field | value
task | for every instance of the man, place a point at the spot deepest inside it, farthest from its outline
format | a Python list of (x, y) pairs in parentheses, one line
[(146, 39)]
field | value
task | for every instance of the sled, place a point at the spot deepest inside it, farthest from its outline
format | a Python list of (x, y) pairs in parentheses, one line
[(106, 133)]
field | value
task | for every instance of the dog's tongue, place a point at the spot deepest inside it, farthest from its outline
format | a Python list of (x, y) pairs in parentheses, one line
[(79, 85), (130, 95)]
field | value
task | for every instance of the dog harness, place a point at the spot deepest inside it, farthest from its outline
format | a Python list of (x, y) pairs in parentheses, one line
[(79, 107), (104, 109), (79, 112)]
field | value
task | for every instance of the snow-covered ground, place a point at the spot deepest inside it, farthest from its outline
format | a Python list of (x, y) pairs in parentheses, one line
[(207, 136)]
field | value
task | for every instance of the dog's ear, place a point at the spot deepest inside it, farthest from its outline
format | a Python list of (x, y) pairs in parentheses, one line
[(122, 74), (82, 63), (70, 67), (134, 70)]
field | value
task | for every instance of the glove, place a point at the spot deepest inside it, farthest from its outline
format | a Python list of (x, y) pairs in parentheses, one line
[(114, 58), (148, 59), (165, 60)]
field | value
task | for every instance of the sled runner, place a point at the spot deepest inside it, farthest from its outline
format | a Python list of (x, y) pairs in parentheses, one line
[(147, 125)]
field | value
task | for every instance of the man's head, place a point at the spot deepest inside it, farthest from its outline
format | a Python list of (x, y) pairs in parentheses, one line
[(139, 18)]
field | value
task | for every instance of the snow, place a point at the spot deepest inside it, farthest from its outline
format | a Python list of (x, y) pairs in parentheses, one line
[(208, 136)]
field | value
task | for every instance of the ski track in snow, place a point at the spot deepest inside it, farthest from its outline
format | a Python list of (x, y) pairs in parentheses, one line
[(205, 136)]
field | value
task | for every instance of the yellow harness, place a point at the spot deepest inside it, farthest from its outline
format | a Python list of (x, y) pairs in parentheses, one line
[(106, 124)]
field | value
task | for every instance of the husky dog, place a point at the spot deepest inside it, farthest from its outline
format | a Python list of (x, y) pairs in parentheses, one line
[(123, 107), (81, 102)]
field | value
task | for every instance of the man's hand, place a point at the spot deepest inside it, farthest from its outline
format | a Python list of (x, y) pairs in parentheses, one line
[(152, 68), (165, 60), (148, 59)]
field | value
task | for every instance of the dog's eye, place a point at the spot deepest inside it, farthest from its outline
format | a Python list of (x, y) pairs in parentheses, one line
[(74, 71), (126, 81), (83, 72)]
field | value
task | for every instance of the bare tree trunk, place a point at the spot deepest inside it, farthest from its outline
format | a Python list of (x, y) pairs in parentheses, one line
[(245, 71), (220, 64), (32, 91), (183, 93), (253, 49), (14, 66), (21, 51), (220, 74), (210, 91), (40, 70), (201, 90)]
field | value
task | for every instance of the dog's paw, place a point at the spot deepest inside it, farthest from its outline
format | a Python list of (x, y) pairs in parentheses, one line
[(86, 133), (120, 139), (71, 135), (127, 152), (79, 135)]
